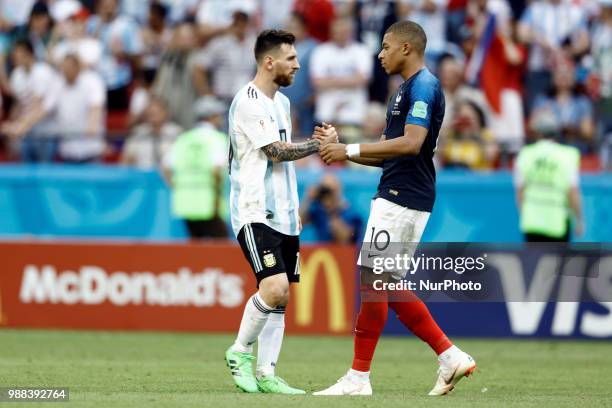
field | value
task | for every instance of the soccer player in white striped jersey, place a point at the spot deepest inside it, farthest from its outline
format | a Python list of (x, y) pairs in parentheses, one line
[(264, 207)]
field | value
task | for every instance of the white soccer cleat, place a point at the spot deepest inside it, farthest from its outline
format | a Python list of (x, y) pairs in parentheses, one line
[(449, 375), (348, 385)]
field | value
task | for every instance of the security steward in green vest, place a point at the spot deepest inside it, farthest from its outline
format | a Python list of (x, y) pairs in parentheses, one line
[(546, 177), (197, 169)]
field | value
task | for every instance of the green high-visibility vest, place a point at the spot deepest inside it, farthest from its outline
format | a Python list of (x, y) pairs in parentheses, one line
[(193, 160), (546, 169)]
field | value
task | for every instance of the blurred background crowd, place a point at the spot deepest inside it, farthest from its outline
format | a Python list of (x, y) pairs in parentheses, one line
[(123, 81), (118, 80)]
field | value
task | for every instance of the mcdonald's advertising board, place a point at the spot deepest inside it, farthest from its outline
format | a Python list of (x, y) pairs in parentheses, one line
[(176, 287)]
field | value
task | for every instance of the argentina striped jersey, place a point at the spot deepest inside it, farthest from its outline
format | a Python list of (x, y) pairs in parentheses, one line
[(261, 191)]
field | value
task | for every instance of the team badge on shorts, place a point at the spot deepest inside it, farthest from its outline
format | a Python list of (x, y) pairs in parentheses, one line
[(269, 260)]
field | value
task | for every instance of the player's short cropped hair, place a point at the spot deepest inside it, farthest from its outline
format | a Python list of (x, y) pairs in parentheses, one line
[(269, 40), (410, 32)]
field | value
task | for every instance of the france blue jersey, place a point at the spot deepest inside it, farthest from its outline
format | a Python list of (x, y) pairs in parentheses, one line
[(410, 181)]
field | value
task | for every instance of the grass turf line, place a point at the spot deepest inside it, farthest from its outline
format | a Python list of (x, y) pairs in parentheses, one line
[(131, 369)]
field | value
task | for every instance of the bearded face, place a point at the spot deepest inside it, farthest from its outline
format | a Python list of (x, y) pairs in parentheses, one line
[(284, 79), (285, 66)]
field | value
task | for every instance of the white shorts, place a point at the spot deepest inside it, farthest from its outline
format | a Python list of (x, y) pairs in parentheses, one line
[(392, 230)]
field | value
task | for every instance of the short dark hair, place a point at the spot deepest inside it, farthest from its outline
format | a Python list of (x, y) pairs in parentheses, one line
[(269, 40), (240, 17), (411, 32), (39, 8), (25, 44), (159, 9), (482, 119)]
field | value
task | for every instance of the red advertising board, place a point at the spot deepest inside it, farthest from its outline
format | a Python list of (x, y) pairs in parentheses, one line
[(178, 287)]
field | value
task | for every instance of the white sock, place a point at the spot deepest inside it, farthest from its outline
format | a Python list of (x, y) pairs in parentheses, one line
[(269, 342), (449, 355), (361, 376), (254, 318)]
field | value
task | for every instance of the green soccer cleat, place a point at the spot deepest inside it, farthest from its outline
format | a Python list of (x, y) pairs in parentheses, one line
[(241, 365), (272, 384)]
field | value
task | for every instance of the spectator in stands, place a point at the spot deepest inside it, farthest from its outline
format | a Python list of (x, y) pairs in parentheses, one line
[(372, 20), (573, 110), (70, 36), (469, 145), (375, 122), (318, 16), (330, 214), (13, 14), (122, 49), (225, 60), (141, 96), (451, 73), (301, 93), (38, 30), (546, 177), (217, 18), (500, 71), (178, 81), (33, 85), (150, 142), (275, 14), (431, 15), (340, 70), (602, 79), (456, 11), (548, 26), (181, 10), (80, 112), (137, 10), (178, 10), (156, 36), (197, 164)]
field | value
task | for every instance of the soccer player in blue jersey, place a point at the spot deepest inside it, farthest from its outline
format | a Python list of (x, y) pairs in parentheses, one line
[(400, 209)]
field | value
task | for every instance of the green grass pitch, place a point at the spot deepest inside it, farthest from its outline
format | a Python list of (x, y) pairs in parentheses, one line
[(120, 369)]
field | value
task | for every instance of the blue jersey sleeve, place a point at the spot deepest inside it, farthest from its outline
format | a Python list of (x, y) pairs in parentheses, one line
[(422, 98)]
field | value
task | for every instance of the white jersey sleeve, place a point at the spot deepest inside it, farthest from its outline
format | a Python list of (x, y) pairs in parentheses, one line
[(251, 117)]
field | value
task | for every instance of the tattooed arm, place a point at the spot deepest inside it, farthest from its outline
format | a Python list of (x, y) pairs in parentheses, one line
[(283, 151)]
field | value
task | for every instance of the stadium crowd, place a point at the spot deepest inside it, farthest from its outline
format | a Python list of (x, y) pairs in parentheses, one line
[(118, 80)]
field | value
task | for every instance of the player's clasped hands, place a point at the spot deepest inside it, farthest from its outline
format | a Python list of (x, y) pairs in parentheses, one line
[(330, 150)]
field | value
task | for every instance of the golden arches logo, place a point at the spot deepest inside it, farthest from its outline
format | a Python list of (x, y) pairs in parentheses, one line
[(321, 260)]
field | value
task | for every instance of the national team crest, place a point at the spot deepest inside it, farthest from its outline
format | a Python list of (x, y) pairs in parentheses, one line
[(269, 260)]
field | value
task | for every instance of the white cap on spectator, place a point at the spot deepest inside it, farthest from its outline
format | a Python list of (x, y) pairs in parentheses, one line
[(89, 51), (208, 106), (64, 9)]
